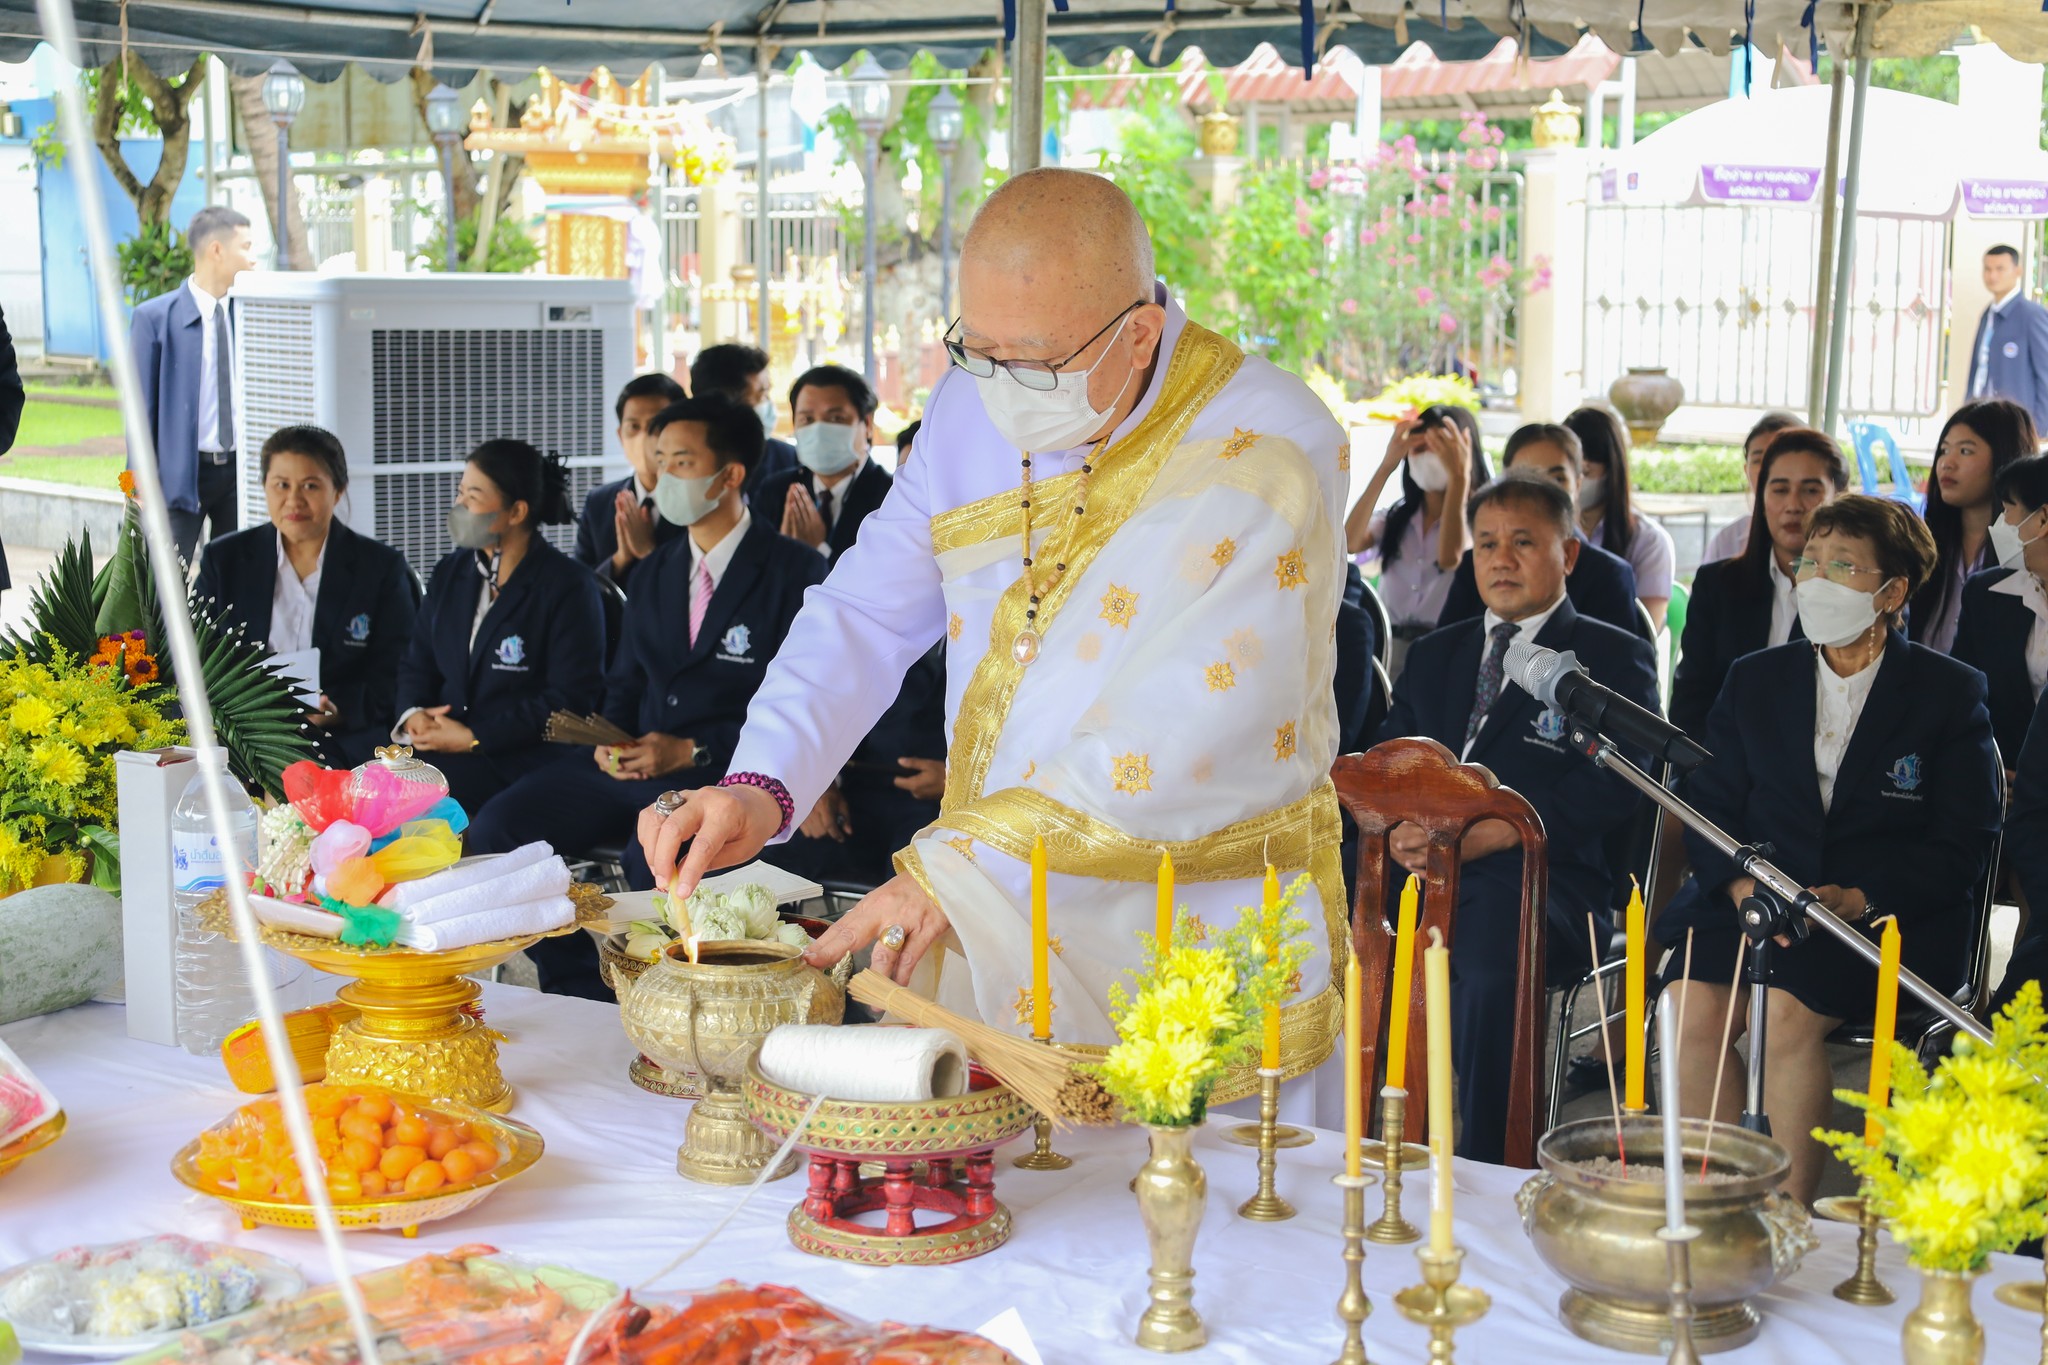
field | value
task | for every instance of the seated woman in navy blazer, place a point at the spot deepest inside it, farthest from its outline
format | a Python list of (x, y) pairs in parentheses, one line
[(1977, 442), (1744, 604), (2002, 627), (350, 598), (1891, 807), (512, 629)]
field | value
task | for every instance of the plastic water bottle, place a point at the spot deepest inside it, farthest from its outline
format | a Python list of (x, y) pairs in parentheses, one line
[(212, 985)]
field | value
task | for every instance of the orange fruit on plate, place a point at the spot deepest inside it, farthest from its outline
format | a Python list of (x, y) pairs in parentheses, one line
[(460, 1166), (425, 1178), (482, 1153), (398, 1161)]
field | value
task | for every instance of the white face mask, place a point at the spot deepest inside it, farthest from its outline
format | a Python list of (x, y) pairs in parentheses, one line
[(766, 411), (1592, 493), (825, 447), (686, 502), (2009, 545), (1832, 613), (1056, 419), (1428, 472)]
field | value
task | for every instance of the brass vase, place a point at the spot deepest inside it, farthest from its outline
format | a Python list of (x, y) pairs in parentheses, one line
[(1173, 1192), (1942, 1329)]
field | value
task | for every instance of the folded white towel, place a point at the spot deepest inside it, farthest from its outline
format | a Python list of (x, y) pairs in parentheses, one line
[(520, 886), (468, 872), (487, 926)]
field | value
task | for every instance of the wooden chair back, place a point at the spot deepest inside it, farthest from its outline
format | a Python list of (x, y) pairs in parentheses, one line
[(1421, 782)]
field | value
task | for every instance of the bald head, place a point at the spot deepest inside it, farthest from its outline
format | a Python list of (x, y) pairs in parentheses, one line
[(1070, 232)]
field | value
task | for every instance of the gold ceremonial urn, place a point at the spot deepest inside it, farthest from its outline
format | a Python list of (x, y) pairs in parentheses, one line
[(705, 1020), (1599, 1232), (1943, 1328)]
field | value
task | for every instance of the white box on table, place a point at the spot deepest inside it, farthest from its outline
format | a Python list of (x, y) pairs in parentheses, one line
[(148, 785)]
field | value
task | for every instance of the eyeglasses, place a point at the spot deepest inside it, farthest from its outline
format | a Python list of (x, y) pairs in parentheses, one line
[(1042, 375), (1835, 570)]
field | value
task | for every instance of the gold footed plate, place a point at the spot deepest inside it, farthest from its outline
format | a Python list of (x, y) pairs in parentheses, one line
[(519, 1145), (418, 1032), (27, 1145), (2025, 1295)]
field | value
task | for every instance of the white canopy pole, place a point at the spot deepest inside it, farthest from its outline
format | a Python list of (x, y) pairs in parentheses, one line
[(1027, 88), (1845, 260), (60, 30), (763, 266), (1831, 176)]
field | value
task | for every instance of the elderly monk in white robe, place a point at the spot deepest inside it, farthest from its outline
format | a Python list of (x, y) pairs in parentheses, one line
[(1129, 534)]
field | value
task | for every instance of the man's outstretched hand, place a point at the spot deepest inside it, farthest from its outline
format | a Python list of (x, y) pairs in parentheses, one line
[(721, 826)]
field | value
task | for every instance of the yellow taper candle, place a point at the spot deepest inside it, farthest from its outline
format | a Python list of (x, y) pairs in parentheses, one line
[(1886, 1024), (1164, 927), (1638, 946), (1436, 982), (1404, 969), (1041, 981), (1269, 920), (1354, 1064)]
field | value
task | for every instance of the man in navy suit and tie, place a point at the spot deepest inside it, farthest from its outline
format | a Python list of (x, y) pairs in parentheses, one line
[(618, 526), (2009, 358), (1454, 690), (739, 374), (184, 345), (835, 485)]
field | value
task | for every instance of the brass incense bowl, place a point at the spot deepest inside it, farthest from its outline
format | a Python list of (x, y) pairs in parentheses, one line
[(1599, 1232), (705, 1020)]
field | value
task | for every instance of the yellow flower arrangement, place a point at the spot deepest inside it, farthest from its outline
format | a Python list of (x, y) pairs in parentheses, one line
[(1960, 1168), (58, 737), (1198, 1009)]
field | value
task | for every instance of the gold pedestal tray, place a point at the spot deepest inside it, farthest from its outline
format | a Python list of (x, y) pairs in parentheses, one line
[(416, 1034), (27, 1145), (519, 1145)]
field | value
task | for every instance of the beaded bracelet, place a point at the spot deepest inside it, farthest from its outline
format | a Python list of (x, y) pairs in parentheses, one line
[(773, 788)]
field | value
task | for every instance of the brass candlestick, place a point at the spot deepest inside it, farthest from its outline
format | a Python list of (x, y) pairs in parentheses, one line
[(1262, 1133), (1266, 1206), (1353, 1307), (1042, 1157), (1678, 1242), (1864, 1287), (1390, 1228), (1440, 1303)]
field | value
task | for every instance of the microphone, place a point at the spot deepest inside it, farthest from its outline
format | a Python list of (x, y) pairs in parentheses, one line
[(1558, 681)]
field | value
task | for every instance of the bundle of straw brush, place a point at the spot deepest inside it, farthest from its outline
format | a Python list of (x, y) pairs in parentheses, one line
[(1047, 1077), (566, 727)]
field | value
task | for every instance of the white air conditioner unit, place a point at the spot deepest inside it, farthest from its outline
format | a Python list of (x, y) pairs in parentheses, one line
[(412, 372)]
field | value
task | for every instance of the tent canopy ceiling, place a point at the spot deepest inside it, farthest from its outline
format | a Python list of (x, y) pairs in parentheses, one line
[(514, 36)]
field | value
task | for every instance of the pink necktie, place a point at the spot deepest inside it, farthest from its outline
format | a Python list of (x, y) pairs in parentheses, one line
[(700, 598)]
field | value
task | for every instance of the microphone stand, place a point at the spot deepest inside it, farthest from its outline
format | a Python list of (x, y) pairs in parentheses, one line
[(1788, 908)]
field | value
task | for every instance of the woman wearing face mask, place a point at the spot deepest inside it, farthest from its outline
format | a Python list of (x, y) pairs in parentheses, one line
[(1868, 762), (341, 605), (1440, 458), (1745, 604), (1977, 441), (836, 482), (1606, 513), (511, 630), (2002, 626)]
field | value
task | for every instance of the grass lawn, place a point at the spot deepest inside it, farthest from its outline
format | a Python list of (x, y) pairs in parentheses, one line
[(91, 471), (105, 391), (65, 424)]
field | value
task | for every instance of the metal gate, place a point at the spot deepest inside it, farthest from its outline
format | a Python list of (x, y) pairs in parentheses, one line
[(1722, 296)]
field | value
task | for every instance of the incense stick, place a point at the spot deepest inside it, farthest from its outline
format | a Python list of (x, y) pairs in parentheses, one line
[(1684, 974), (1606, 1044), (1721, 1062)]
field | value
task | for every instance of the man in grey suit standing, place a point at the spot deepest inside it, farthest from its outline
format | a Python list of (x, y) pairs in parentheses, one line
[(185, 355), (2010, 356)]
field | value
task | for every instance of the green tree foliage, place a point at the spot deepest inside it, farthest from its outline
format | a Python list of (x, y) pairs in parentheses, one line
[(512, 250), (154, 261)]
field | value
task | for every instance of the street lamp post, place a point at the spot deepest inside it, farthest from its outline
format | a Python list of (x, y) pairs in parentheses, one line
[(444, 121), (870, 113), (284, 95), (944, 123)]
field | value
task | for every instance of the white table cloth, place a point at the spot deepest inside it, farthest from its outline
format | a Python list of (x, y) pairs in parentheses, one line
[(606, 1199)]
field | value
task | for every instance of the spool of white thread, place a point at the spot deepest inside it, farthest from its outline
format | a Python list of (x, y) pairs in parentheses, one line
[(867, 1063)]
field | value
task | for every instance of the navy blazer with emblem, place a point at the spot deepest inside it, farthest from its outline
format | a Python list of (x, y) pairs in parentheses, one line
[(362, 619), (863, 493), (1915, 805), (1721, 625), (2017, 357), (597, 530), (1525, 746), (660, 682), (1601, 585), (2026, 853), (1991, 637), (540, 647)]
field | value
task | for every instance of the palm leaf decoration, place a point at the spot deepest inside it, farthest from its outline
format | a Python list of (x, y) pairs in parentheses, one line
[(63, 610)]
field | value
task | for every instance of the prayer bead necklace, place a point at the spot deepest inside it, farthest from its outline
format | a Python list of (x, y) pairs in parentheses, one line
[(1024, 649)]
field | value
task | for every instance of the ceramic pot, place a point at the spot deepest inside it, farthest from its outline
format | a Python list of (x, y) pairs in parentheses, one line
[(1943, 1329), (1172, 1191), (1219, 133), (1645, 396)]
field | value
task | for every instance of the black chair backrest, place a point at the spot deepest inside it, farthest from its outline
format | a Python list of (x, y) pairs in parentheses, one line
[(614, 599), (1382, 628)]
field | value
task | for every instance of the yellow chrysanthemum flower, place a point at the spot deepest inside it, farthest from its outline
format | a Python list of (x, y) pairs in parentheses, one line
[(59, 763), (31, 715)]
